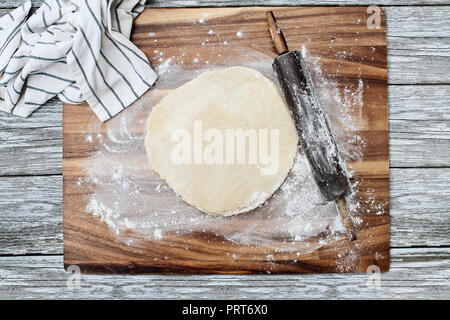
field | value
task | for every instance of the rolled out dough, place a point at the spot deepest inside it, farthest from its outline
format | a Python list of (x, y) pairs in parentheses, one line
[(231, 98)]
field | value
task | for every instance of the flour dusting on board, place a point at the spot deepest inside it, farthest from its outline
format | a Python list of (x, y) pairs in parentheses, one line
[(136, 204)]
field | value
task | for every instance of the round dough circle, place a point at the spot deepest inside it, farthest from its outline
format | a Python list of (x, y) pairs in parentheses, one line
[(231, 98)]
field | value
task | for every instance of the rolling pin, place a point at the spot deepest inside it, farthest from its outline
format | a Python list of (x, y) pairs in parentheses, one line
[(315, 135)]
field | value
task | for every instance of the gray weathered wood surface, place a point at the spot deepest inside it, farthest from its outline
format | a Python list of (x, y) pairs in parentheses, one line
[(419, 115), (420, 273)]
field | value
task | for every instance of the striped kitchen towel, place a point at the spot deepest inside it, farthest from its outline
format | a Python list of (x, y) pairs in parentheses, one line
[(78, 50)]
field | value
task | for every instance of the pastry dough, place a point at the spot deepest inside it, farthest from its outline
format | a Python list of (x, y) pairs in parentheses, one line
[(236, 98)]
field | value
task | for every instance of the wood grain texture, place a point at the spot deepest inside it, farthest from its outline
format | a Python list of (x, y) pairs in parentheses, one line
[(420, 273), (43, 277), (32, 146), (413, 200), (415, 133), (31, 215), (90, 245), (418, 45), (418, 60), (222, 3)]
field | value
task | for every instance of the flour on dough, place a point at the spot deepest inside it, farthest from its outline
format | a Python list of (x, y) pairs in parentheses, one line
[(231, 98)]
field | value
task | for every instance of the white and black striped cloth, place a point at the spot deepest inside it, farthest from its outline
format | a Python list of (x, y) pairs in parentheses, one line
[(78, 50)]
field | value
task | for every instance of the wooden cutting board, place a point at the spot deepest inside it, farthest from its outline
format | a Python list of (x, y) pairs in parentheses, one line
[(327, 32)]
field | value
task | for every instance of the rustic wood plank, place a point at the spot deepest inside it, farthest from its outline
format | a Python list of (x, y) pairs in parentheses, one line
[(419, 119), (419, 207), (32, 146), (24, 149), (412, 141), (47, 116), (407, 18), (222, 3), (415, 102), (31, 221), (95, 250), (419, 126), (418, 21), (418, 60), (424, 60), (31, 215), (421, 28), (418, 44), (416, 273)]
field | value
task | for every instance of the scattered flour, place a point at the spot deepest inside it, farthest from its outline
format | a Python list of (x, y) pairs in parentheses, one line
[(135, 203), (202, 20)]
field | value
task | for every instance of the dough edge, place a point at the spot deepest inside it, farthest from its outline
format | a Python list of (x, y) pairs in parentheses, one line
[(229, 212)]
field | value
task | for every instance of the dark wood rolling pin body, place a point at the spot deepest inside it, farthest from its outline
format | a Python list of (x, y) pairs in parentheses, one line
[(315, 136), (316, 139)]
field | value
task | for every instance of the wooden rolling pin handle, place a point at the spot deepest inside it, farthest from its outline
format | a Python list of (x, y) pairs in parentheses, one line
[(277, 35), (342, 208)]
